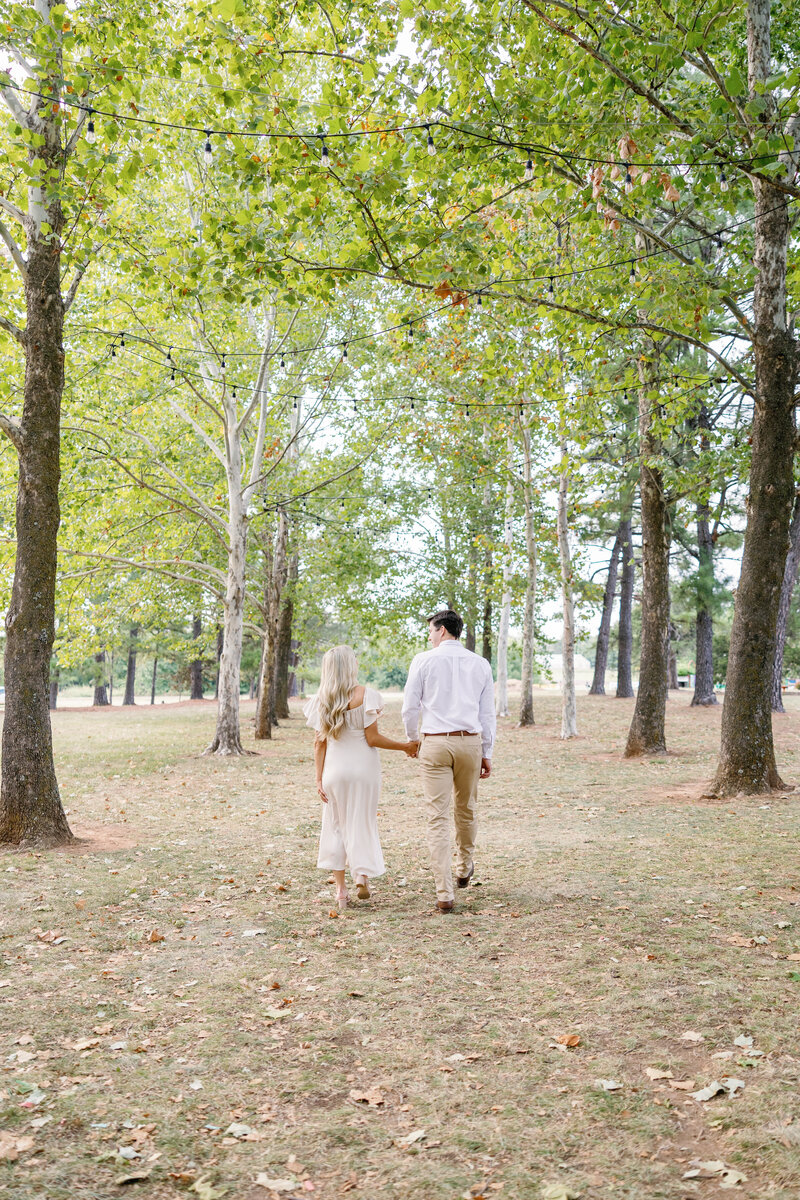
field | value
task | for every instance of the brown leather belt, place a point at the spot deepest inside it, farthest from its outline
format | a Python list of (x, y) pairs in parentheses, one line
[(453, 733)]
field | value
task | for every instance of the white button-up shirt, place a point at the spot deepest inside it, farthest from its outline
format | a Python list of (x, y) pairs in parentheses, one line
[(450, 688)]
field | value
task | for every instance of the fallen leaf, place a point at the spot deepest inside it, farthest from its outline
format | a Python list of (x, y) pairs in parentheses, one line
[(373, 1097), (85, 1044), (557, 1191), (135, 1177), (744, 1041), (682, 1085), (205, 1190), (415, 1136), (196, 1085), (737, 939), (253, 932), (728, 1177), (569, 1039), (654, 1073), (729, 1085), (691, 1036), (103, 1029), (238, 1131), (12, 1146), (275, 1185), (608, 1085), (154, 936)]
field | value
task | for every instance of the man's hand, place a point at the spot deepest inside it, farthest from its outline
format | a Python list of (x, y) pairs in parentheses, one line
[(486, 768), (321, 792), (412, 749)]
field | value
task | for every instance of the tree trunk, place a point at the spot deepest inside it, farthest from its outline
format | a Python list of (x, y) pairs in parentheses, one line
[(275, 582), (598, 687), (227, 737), (285, 658), (501, 698), (130, 674), (196, 665), (486, 647), (747, 753), (53, 702), (526, 717), (153, 684), (31, 813), (100, 688), (647, 735), (787, 589), (220, 644), (569, 714), (704, 621), (625, 638), (672, 668)]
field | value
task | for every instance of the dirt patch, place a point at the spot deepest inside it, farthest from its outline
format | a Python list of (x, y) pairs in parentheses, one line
[(101, 839)]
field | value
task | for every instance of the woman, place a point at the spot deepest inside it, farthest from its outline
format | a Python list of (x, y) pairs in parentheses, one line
[(345, 714)]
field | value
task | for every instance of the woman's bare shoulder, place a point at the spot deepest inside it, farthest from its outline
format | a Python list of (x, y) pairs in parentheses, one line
[(357, 696)]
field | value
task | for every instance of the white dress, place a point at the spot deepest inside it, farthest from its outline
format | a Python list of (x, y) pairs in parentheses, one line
[(351, 779)]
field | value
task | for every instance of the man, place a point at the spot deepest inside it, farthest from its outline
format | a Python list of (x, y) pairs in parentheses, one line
[(449, 698)]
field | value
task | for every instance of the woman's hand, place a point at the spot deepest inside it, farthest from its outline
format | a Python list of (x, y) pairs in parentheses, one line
[(321, 792), (412, 749)]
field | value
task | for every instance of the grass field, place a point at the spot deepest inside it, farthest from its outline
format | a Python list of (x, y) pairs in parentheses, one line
[(179, 1005)]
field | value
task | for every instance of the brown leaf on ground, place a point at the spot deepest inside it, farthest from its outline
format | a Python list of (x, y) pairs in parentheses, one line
[(11, 1145), (155, 936), (373, 1097), (654, 1073), (569, 1039)]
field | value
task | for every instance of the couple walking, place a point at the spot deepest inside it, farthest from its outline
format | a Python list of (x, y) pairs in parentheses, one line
[(448, 714)]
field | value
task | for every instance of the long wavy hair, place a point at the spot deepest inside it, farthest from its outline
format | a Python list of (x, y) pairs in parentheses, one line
[(338, 677)]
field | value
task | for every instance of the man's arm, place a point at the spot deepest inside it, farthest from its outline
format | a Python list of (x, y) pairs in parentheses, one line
[(487, 717), (412, 702)]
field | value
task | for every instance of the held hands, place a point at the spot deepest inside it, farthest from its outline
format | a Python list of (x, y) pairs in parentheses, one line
[(486, 768), (412, 749)]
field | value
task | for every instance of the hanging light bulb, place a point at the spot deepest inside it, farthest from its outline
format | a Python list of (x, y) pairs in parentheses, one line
[(113, 351), (412, 405), (632, 276), (431, 147), (409, 331), (208, 153), (91, 136), (466, 410), (294, 404), (326, 158), (628, 177), (528, 176), (169, 354), (723, 180), (283, 363), (355, 406), (480, 300), (234, 391), (269, 191), (344, 350), (222, 362), (550, 289), (172, 375), (122, 341)]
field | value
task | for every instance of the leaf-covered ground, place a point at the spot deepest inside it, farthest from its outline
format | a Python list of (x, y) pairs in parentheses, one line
[(178, 1003)]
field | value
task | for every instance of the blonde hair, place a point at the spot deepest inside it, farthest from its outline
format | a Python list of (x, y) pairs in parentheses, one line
[(338, 677)]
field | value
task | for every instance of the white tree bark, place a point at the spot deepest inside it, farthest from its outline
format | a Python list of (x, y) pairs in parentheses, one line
[(569, 718), (501, 699), (529, 618)]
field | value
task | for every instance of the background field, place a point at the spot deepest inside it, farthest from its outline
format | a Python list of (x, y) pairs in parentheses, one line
[(178, 1002)]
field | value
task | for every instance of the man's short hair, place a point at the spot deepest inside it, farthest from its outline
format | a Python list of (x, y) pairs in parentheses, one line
[(445, 618)]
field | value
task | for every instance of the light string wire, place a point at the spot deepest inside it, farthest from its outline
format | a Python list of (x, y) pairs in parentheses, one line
[(308, 136), (343, 343)]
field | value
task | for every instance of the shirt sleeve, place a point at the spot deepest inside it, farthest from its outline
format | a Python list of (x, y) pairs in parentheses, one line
[(487, 716), (311, 713), (373, 706), (412, 698)]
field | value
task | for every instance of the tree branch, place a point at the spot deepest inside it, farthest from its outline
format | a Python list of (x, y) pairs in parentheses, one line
[(14, 330), (12, 429), (14, 250), (12, 210), (79, 274)]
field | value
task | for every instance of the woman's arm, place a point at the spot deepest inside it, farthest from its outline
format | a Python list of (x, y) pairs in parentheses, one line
[(320, 749), (376, 738)]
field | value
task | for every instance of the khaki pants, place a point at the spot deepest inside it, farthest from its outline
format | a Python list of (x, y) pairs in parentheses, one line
[(450, 770)]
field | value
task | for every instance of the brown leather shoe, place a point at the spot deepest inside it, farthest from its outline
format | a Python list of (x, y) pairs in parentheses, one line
[(445, 905), (463, 880)]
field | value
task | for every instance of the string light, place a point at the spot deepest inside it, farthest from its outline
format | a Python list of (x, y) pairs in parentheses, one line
[(723, 180), (628, 178), (269, 192), (91, 136), (409, 331), (326, 158), (283, 363), (528, 176), (122, 341), (551, 289), (480, 300), (172, 375), (208, 153), (431, 147), (344, 350), (632, 275)]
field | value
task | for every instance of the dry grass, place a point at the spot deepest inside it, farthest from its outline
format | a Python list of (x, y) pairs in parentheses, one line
[(612, 903)]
